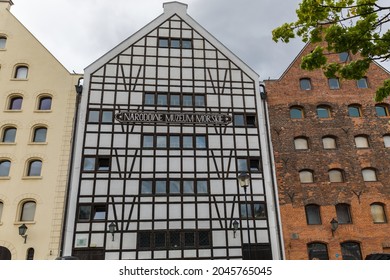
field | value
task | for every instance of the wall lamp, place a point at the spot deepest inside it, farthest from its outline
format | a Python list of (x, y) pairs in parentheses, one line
[(235, 228), (112, 229), (334, 224), (22, 232)]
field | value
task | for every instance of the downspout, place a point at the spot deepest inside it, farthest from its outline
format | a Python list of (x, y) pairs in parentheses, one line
[(79, 90), (263, 95)]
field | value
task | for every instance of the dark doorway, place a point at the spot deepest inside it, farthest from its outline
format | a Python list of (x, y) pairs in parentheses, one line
[(256, 252), (5, 254)]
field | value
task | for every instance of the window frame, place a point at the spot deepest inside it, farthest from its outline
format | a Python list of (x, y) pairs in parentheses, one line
[(343, 210), (373, 171), (293, 113), (334, 83), (358, 142), (319, 256), (307, 86), (384, 108), (41, 106), (3, 42), (339, 173), (353, 109), (32, 173), (37, 129), (21, 67), (326, 140), (359, 83), (307, 171), (5, 167), (310, 210), (324, 108), (22, 211), (306, 143), (345, 250), (383, 218), (386, 140), (4, 134), (15, 98)]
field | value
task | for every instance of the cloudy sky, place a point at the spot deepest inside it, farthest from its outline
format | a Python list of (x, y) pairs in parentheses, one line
[(79, 32)]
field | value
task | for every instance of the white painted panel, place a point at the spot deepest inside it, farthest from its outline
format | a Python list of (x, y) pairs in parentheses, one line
[(129, 241), (97, 240), (174, 211), (86, 187), (174, 164), (189, 253), (91, 140), (101, 187), (160, 211), (189, 211)]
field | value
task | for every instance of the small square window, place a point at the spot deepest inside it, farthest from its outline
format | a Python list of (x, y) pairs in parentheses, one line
[(251, 120), (187, 142), (161, 141), (146, 187), (84, 212), (93, 116), (239, 120), (354, 111), (323, 112), (188, 187), (186, 44), (255, 165), (199, 100), (242, 164), (334, 83), (159, 240), (187, 100), (189, 239), (343, 56), (175, 43), (148, 141), (161, 187), (162, 99), (362, 83), (99, 212), (381, 110), (305, 84), (144, 240), (174, 141), (163, 42), (200, 142), (175, 100), (296, 113), (201, 187), (89, 164), (149, 99), (174, 186), (107, 117), (103, 164)]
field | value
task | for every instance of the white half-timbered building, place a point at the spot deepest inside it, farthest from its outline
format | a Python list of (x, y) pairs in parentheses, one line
[(167, 122)]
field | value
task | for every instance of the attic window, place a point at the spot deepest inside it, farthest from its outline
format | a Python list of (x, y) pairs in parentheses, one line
[(175, 43)]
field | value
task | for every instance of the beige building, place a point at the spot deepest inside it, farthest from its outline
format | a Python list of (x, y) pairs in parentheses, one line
[(37, 107)]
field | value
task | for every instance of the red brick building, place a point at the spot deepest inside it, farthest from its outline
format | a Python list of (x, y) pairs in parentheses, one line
[(331, 145)]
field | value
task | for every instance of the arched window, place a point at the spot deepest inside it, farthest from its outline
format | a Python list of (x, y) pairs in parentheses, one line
[(34, 168), (369, 175), (305, 84), (361, 141), (334, 83), (296, 112), (44, 103), (301, 143), (5, 166), (336, 175), (313, 216), (3, 42), (329, 142), (343, 212), (30, 254), (355, 111), (27, 211), (306, 176), (323, 111), (9, 135), (5, 254), (378, 213), (1, 209), (15, 103), (317, 251), (351, 250), (39, 135), (382, 110), (21, 72)]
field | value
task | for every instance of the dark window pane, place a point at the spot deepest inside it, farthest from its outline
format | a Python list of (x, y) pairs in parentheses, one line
[(174, 239), (175, 43), (159, 240), (188, 187), (84, 212), (45, 103), (334, 83), (305, 84), (204, 238), (317, 251), (313, 215), (351, 251), (186, 44), (40, 135), (30, 254), (323, 112), (103, 164), (144, 240), (362, 83), (189, 239), (9, 135), (255, 165), (21, 72), (259, 210), (251, 121), (16, 103), (35, 168), (174, 187), (161, 187), (245, 210), (99, 212), (343, 214)]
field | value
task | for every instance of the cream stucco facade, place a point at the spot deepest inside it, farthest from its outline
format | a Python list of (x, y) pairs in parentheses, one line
[(36, 121)]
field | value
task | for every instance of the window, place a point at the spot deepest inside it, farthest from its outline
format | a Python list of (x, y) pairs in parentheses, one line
[(200, 101), (99, 163), (5, 166), (296, 113), (323, 112), (187, 142), (174, 142), (27, 212), (386, 140), (89, 212), (200, 142), (343, 56), (306, 176), (255, 165), (149, 99), (161, 187), (336, 176), (242, 164), (244, 120), (329, 142), (354, 111), (21, 72), (362, 83), (162, 99), (104, 116), (369, 175), (343, 213), (1, 209), (15, 103), (146, 187), (187, 100), (9, 135), (188, 187), (39, 135), (313, 216), (317, 251), (301, 143), (201, 187), (382, 110), (378, 213), (44, 103), (361, 141), (148, 141), (305, 84), (3, 41), (174, 186), (333, 83), (161, 141), (239, 120), (255, 210), (163, 42), (103, 164), (175, 100), (175, 43), (34, 168), (351, 251), (30, 254)]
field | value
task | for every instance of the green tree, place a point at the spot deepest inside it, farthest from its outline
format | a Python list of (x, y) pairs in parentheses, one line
[(353, 26)]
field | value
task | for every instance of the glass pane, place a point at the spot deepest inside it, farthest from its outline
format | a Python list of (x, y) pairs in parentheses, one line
[(187, 100), (161, 187), (317, 251), (242, 165), (9, 135), (259, 210), (301, 144), (146, 187), (103, 164), (204, 238), (174, 239), (386, 140), (45, 103), (354, 111), (378, 213), (239, 120), (201, 187), (148, 141), (3, 41), (296, 113), (28, 211), (189, 239), (175, 100), (107, 116), (381, 111), (200, 142), (84, 212), (199, 100), (89, 164), (40, 135), (361, 142), (245, 210), (162, 99), (4, 168), (144, 240), (369, 175), (175, 43), (93, 116), (306, 177), (313, 215), (149, 99), (35, 168), (174, 187), (174, 141), (251, 121), (100, 213), (159, 240), (21, 72), (334, 83), (163, 42), (161, 141), (362, 83), (343, 214), (188, 187), (186, 44), (329, 143), (343, 56), (305, 84), (351, 251), (187, 142), (16, 103), (322, 112), (336, 176), (254, 165)]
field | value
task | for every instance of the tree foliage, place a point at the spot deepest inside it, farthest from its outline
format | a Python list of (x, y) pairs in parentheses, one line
[(354, 26)]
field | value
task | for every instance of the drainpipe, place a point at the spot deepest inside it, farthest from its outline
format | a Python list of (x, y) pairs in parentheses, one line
[(263, 95)]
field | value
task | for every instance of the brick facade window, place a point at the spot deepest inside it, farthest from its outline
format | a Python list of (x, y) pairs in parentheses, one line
[(334, 83), (301, 143), (313, 216), (317, 251), (351, 250), (323, 112), (369, 175), (306, 176), (296, 112), (361, 141), (378, 213), (355, 111), (386, 140), (336, 175), (305, 84), (362, 83), (329, 142), (382, 110), (343, 212)]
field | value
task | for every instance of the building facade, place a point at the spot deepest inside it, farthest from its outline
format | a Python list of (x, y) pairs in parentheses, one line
[(36, 120), (331, 146), (168, 120)]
